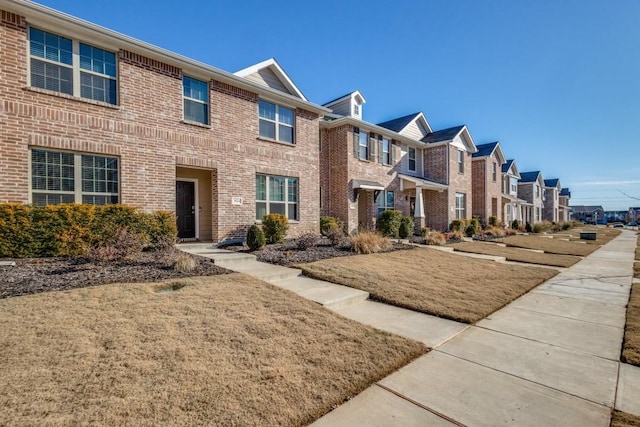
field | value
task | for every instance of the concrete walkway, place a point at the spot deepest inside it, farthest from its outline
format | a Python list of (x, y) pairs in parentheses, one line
[(548, 358)]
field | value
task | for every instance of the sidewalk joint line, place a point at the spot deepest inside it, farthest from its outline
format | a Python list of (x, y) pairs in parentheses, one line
[(565, 317)]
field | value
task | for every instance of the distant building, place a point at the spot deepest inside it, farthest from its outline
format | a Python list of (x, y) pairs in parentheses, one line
[(634, 214), (615, 216), (587, 214)]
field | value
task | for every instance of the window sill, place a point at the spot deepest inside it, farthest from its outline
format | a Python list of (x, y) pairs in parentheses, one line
[(197, 124), (262, 138), (71, 97)]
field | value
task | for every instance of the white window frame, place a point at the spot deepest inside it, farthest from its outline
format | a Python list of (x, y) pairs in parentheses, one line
[(461, 206), (513, 185), (494, 172), (414, 159), (75, 67), (197, 101), (363, 143), (386, 155), (382, 204), (277, 123), (78, 193), (356, 110), (460, 161), (286, 201)]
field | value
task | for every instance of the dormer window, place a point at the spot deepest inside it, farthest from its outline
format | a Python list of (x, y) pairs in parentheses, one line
[(356, 109)]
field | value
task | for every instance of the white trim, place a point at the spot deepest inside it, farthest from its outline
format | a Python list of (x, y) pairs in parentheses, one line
[(196, 202), (370, 127)]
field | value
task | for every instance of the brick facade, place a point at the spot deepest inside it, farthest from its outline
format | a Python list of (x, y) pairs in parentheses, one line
[(154, 146), (487, 193)]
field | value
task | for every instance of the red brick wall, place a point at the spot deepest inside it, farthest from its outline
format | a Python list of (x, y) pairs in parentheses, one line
[(145, 131), (485, 189)]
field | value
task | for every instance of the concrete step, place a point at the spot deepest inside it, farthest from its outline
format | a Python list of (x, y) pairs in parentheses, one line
[(261, 270), (328, 294)]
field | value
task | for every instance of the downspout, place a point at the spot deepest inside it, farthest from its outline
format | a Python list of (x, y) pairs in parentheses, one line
[(447, 146)]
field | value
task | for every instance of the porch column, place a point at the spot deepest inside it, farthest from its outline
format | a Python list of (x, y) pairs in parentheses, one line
[(418, 213)]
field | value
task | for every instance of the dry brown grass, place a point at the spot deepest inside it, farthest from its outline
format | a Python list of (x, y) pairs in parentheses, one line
[(631, 345), (369, 242), (550, 245), (224, 350), (433, 282), (623, 419), (436, 239), (515, 254), (603, 235)]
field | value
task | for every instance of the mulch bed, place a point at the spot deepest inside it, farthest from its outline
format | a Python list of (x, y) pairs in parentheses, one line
[(288, 254), (35, 275)]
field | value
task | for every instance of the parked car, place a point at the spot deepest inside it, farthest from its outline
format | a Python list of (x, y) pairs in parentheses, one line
[(632, 224), (617, 225)]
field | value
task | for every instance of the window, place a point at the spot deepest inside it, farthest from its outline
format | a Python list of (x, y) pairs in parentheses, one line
[(514, 185), (461, 206), (364, 146), (460, 161), (385, 152), (537, 191), (276, 194), (276, 122), (386, 201), (67, 66), (412, 159), (356, 109), (196, 100), (60, 177), (537, 214), (495, 172)]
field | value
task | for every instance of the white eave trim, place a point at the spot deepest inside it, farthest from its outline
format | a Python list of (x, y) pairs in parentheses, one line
[(272, 64), (423, 183), (53, 20)]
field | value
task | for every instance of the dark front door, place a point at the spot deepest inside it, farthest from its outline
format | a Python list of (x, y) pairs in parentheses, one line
[(186, 209)]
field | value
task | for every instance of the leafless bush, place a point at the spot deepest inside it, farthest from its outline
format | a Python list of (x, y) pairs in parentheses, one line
[(122, 245), (307, 241), (185, 263)]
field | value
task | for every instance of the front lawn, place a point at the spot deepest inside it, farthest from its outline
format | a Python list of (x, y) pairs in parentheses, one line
[(433, 282), (515, 254), (631, 346), (223, 350), (550, 245), (603, 235)]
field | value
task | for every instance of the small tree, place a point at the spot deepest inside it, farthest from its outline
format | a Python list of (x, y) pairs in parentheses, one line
[(515, 224), (275, 227), (255, 238), (389, 223)]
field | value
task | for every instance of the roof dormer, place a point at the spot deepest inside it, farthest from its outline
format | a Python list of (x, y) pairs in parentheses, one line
[(349, 105)]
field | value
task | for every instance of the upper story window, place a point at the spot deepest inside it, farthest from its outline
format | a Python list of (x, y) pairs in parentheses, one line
[(361, 143), (356, 110), (385, 152), (276, 122), (514, 185), (460, 161), (61, 177), (68, 66), (411, 155), (537, 190), (196, 100), (494, 172)]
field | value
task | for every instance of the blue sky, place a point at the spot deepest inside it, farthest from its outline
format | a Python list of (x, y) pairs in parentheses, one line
[(556, 82)]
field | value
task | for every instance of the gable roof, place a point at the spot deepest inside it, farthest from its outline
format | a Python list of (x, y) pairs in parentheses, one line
[(263, 73), (486, 150), (565, 192), (400, 123), (507, 165), (555, 182), (443, 135), (529, 176)]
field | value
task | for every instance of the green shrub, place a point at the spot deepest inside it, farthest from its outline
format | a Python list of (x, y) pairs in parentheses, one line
[(75, 229), (457, 225), (389, 223), (493, 221), (475, 221), (471, 229), (275, 227), (515, 224), (566, 225), (406, 227), (528, 228), (329, 222), (424, 231), (255, 238)]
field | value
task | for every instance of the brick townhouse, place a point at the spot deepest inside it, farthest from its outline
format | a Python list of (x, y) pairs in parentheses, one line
[(551, 208), (531, 189), (487, 181), (400, 164), (88, 115)]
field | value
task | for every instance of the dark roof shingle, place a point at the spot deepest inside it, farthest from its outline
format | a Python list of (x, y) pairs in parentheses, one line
[(551, 182), (565, 192), (529, 176), (398, 124), (507, 165), (442, 135), (485, 149)]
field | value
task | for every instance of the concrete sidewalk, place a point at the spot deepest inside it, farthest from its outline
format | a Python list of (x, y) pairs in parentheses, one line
[(548, 358)]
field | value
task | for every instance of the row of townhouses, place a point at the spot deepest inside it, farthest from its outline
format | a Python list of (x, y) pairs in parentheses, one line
[(88, 115)]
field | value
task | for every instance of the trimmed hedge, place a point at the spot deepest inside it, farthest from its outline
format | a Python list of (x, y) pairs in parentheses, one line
[(389, 223), (28, 231)]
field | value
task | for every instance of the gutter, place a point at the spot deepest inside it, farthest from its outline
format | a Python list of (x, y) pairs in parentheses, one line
[(51, 18)]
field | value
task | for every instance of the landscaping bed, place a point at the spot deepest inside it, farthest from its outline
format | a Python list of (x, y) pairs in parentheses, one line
[(288, 253), (515, 254), (431, 281), (631, 345), (227, 349), (623, 419), (550, 245), (35, 275)]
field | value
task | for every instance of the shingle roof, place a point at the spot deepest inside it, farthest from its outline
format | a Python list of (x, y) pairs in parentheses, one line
[(485, 149), (565, 192), (529, 176), (340, 97), (398, 124), (442, 135), (551, 182), (507, 165)]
